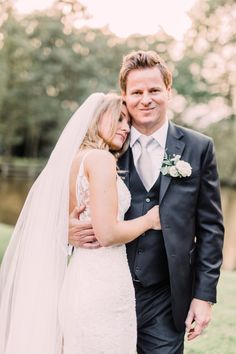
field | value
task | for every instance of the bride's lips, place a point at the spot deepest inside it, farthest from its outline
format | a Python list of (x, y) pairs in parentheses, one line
[(122, 136)]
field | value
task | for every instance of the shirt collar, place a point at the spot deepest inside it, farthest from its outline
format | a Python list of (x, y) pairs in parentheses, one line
[(159, 135)]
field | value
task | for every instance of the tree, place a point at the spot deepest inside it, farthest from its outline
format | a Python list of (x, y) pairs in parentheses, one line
[(39, 70), (14, 60), (207, 78), (207, 71)]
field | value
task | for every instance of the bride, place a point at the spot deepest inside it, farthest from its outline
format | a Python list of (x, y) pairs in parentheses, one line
[(87, 306)]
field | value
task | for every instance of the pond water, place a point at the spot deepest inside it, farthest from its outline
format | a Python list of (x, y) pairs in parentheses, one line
[(13, 192)]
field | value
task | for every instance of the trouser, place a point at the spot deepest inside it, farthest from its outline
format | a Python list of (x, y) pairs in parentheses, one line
[(156, 331)]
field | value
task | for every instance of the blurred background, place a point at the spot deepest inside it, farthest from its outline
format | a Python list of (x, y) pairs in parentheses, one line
[(53, 54)]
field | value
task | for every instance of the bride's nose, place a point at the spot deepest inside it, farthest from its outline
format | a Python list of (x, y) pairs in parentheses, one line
[(125, 127)]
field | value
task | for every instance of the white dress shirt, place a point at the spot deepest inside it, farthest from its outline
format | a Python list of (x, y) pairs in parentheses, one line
[(156, 148)]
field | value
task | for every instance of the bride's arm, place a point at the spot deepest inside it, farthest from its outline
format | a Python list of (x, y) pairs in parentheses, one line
[(100, 167)]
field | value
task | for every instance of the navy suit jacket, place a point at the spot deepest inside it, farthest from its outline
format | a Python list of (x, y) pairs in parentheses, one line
[(191, 220)]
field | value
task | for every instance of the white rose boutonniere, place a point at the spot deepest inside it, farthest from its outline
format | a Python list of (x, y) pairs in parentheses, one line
[(175, 167)]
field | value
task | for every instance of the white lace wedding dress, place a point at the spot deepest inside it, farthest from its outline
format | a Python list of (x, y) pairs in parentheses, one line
[(97, 304)]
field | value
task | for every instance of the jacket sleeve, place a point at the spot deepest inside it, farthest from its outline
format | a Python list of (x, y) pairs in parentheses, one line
[(210, 229)]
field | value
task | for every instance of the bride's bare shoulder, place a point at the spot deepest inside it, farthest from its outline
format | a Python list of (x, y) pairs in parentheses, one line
[(99, 155), (98, 159)]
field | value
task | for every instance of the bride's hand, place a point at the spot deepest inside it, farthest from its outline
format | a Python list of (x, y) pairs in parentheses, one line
[(154, 216)]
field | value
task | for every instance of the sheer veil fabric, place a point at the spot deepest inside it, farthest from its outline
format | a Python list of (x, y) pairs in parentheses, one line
[(33, 267)]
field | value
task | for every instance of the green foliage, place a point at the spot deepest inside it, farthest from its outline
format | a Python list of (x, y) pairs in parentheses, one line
[(208, 66), (51, 67), (207, 79), (13, 61), (48, 67)]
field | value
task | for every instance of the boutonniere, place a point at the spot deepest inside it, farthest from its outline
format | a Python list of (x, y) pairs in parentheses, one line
[(173, 166)]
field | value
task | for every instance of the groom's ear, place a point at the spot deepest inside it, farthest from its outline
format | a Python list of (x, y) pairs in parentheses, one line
[(123, 94)]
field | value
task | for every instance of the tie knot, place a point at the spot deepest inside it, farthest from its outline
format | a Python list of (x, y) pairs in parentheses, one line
[(145, 140)]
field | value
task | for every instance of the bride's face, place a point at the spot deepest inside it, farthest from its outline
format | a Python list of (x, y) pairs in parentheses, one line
[(122, 130)]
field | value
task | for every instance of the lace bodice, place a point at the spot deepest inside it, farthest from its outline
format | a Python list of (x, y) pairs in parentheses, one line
[(82, 194)]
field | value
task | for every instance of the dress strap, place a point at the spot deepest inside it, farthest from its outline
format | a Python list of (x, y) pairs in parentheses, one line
[(81, 168)]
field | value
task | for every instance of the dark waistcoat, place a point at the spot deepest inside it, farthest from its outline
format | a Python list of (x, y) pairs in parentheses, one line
[(146, 254)]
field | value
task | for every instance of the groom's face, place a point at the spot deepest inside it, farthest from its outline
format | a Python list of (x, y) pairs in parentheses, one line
[(146, 98)]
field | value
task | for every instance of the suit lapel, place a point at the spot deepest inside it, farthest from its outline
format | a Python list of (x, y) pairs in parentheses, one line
[(123, 164), (173, 146)]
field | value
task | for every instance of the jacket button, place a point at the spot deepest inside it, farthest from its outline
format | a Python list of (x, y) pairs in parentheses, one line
[(137, 268), (148, 200)]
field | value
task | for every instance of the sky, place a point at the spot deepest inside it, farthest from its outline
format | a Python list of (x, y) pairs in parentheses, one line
[(126, 17)]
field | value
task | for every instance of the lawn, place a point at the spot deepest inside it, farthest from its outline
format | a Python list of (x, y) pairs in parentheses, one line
[(220, 336)]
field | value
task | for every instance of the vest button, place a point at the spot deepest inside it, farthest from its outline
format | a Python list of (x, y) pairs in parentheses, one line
[(148, 200), (140, 250)]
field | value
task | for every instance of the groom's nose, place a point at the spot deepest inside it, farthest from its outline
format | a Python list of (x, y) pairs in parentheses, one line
[(146, 99)]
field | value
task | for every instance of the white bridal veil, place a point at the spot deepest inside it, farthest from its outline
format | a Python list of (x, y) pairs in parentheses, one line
[(33, 267)]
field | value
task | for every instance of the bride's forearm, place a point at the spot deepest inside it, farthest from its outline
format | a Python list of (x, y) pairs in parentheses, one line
[(122, 231)]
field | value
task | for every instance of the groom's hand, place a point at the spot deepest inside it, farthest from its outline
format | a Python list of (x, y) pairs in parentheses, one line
[(198, 318), (81, 233)]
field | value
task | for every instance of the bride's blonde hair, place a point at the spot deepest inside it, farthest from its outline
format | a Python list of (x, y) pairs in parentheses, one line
[(111, 105)]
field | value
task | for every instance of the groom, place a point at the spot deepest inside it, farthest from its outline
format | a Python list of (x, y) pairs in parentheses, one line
[(175, 270)]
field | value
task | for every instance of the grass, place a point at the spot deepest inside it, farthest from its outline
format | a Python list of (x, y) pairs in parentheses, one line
[(220, 336)]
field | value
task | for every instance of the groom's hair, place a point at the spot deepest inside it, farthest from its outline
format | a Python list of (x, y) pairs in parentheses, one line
[(143, 60)]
